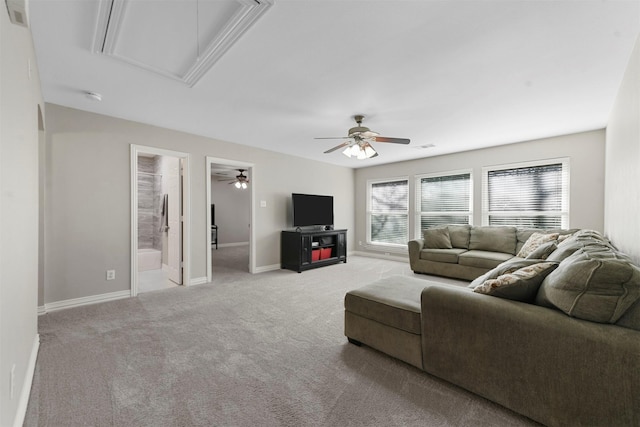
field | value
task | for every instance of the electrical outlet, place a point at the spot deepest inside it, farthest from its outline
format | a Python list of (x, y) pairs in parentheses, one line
[(12, 380), (360, 242), (111, 274)]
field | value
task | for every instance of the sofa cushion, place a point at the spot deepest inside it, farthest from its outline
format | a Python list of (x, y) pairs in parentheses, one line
[(520, 285), (436, 238), (442, 255), (535, 241), (543, 251), (506, 267), (483, 259), (393, 301), (631, 318), (459, 235), (579, 240), (564, 250), (493, 239), (596, 283)]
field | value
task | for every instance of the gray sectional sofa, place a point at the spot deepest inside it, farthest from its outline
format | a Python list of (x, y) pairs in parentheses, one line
[(555, 339)]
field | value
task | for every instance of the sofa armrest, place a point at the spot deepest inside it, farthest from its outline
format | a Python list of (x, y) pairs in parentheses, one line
[(415, 246), (534, 360)]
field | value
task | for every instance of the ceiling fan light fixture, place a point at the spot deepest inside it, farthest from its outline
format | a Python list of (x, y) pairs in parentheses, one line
[(369, 151), (352, 151), (241, 182), (360, 151)]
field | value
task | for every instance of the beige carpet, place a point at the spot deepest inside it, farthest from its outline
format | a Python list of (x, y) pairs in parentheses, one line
[(245, 350)]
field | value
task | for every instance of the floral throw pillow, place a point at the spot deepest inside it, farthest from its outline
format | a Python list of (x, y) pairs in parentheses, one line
[(534, 241), (520, 285)]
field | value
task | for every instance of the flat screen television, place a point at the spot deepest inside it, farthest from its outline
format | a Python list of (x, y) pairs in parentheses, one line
[(311, 209)]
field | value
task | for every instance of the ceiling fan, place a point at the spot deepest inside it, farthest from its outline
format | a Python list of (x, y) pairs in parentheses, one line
[(241, 180), (359, 141)]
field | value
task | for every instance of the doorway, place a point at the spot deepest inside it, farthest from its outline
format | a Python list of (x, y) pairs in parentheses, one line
[(160, 220), (230, 214)]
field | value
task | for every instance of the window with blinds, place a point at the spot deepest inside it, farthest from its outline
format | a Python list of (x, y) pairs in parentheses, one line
[(532, 195), (443, 199), (388, 212)]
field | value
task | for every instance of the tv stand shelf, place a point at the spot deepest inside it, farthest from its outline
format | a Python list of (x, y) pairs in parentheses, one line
[(303, 250)]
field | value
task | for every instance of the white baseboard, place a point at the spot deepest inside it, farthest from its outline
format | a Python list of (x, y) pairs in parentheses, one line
[(94, 299), (41, 310), (26, 386), (389, 256), (266, 268), (198, 281), (228, 245)]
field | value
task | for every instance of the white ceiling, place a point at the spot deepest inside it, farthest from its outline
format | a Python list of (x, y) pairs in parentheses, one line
[(457, 74)]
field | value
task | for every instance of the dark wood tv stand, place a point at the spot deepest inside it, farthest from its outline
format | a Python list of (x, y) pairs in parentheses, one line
[(302, 250)]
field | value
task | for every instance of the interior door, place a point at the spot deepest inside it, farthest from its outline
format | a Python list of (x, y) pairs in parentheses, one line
[(174, 237)]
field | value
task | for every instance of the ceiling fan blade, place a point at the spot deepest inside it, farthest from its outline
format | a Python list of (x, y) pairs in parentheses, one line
[(333, 137), (392, 140), (337, 147)]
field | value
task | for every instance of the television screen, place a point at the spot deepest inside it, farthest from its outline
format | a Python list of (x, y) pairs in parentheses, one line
[(309, 209)]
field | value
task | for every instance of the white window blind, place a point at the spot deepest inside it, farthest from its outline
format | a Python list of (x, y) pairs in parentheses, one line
[(443, 199), (388, 212), (531, 196)]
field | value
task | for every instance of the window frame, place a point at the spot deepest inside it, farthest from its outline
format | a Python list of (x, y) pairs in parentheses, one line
[(418, 198), (566, 190), (369, 213)]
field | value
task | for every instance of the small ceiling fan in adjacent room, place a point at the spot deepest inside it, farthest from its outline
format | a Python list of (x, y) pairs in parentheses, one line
[(359, 139), (241, 181)]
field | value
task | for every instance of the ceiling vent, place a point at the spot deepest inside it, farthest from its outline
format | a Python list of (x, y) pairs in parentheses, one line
[(18, 12), (177, 39)]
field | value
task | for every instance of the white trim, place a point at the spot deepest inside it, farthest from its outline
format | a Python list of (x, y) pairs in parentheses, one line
[(265, 268), (228, 245), (198, 281), (370, 182), (387, 256), (417, 218), (252, 238), (26, 385), (93, 299), (186, 210), (42, 310), (566, 183)]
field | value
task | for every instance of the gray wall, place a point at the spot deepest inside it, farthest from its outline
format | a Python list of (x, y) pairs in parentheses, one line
[(88, 197), (233, 208), (19, 214), (585, 150), (622, 201)]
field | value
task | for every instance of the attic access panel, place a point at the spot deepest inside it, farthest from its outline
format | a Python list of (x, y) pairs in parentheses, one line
[(179, 39)]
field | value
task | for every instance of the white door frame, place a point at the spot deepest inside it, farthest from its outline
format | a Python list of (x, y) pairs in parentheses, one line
[(252, 174), (186, 210)]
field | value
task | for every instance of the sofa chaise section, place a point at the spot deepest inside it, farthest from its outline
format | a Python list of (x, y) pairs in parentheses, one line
[(538, 362), (556, 339)]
